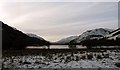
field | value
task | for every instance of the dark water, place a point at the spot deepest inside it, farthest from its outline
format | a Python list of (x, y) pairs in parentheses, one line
[(67, 47), (56, 47)]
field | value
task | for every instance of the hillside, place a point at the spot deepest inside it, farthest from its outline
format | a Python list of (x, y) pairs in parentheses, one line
[(111, 39), (93, 34), (66, 40), (15, 39)]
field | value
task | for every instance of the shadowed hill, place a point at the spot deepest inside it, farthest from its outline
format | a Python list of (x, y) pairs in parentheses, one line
[(15, 39)]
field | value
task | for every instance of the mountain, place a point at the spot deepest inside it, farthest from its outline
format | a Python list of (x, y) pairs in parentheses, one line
[(66, 40), (88, 35), (92, 34), (112, 39), (15, 39), (34, 35)]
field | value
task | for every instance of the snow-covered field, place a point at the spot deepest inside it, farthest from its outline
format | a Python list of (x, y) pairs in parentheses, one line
[(108, 59)]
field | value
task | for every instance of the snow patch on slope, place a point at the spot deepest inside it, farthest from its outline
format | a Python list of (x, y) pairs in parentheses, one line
[(115, 34), (67, 40), (93, 34), (33, 35)]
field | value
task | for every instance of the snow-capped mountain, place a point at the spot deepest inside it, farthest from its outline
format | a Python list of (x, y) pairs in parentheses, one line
[(89, 34), (34, 35), (93, 34), (66, 40)]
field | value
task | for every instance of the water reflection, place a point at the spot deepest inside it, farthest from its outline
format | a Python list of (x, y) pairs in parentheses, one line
[(68, 47), (56, 47), (72, 46)]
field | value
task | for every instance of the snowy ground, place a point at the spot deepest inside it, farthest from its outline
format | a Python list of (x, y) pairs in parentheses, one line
[(109, 59)]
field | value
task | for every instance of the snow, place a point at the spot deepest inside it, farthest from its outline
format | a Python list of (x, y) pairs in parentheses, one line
[(64, 60), (87, 35), (33, 35), (67, 40), (112, 36)]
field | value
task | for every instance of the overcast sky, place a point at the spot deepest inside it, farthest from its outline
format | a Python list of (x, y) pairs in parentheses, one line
[(56, 20)]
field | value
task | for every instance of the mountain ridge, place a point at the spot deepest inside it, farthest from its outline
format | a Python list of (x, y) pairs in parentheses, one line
[(89, 34), (34, 35), (15, 39), (65, 40)]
